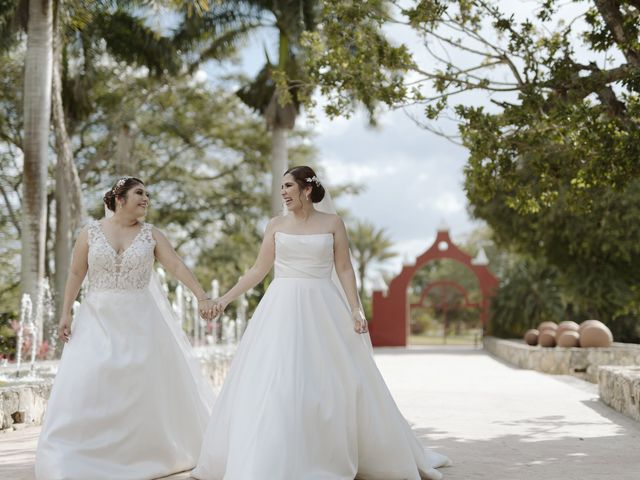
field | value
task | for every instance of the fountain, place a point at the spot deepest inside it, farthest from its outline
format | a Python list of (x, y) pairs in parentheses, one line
[(228, 331), (195, 316), (179, 304), (26, 310), (241, 319), (163, 280), (50, 327)]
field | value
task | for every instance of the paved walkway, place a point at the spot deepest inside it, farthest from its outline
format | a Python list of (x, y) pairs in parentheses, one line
[(494, 421)]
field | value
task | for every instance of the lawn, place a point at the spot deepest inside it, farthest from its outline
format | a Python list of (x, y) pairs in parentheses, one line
[(469, 338)]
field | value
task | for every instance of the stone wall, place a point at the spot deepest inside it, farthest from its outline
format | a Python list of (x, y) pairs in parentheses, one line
[(580, 362), (24, 403), (620, 389)]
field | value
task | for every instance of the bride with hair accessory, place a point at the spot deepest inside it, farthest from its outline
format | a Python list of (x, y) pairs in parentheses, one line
[(303, 399), (129, 401)]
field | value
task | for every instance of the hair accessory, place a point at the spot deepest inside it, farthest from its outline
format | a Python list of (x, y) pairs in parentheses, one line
[(120, 183), (313, 179)]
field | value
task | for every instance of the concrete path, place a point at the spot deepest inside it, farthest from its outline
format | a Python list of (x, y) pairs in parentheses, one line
[(494, 421)]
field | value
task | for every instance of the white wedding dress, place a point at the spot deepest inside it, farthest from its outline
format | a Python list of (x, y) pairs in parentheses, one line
[(303, 399), (128, 402)]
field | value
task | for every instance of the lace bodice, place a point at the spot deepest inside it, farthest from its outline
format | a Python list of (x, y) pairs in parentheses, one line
[(304, 256), (129, 270)]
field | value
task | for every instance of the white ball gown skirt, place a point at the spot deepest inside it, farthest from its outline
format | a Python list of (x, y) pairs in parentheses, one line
[(123, 405), (304, 400)]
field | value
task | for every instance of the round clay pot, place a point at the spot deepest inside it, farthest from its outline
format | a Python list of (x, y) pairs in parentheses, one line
[(569, 339), (596, 336), (547, 326), (566, 326), (531, 337), (589, 323), (547, 338)]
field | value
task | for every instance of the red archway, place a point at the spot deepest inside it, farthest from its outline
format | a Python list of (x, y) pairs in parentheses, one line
[(444, 304), (389, 325)]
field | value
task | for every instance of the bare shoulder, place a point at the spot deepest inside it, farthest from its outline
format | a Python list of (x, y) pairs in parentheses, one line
[(83, 234), (157, 233), (333, 221), (275, 223)]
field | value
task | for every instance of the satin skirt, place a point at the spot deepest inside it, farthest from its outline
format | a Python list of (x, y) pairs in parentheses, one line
[(123, 404), (304, 400)]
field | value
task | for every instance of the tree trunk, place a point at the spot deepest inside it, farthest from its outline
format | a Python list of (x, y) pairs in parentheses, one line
[(279, 119), (37, 111), (68, 195), (124, 146), (278, 166), (362, 274)]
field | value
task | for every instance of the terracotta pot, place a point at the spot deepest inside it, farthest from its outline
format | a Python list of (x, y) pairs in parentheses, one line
[(547, 338), (568, 339), (547, 326), (531, 337), (589, 323), (566, 326), (596, 336)]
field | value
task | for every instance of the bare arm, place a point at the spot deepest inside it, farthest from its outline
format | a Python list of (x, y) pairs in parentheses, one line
[(346, 275), (258, 271), (77, 272), (173, 264)]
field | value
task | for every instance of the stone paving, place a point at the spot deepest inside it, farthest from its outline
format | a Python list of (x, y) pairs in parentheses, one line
[(496, 422)]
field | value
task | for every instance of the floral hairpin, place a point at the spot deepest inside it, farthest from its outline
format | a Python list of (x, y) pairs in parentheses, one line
[(120, 183), (313, 179)]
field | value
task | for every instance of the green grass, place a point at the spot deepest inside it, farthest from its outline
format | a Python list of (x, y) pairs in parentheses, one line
[(466, 339)]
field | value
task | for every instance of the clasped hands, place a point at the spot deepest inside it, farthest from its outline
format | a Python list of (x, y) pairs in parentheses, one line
[(210, 309)]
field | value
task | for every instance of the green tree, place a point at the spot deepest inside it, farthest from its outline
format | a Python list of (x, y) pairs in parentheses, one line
[(368, 245), (553, 163), (278, 89), (313, 52), (36, 112), (529, 294)]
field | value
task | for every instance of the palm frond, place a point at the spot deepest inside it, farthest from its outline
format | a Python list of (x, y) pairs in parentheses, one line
[(129, 39), (13, 18)]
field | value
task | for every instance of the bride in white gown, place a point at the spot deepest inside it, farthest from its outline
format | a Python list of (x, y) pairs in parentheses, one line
[(303, 399), (129, 401)]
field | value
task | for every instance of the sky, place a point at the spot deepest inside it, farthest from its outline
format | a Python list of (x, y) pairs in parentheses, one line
[(413, 178)]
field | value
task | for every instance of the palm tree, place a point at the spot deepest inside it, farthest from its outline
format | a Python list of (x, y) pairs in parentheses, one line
[(368, 245), (36, 111), (277, 90)]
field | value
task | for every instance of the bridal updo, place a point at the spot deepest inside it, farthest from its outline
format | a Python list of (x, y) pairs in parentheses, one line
[(304, 177), (119, 189)]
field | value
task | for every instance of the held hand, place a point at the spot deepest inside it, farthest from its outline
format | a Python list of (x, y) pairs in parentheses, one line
[(359, 321), (207, 308), (64, 328), (220, 306)]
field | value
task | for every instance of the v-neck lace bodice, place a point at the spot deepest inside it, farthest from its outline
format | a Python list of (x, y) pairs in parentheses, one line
[(128, 270)]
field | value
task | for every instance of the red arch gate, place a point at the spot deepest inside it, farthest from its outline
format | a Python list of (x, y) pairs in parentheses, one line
[(390, 320)]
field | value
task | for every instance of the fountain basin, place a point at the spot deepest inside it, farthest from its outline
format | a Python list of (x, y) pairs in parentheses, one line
[(23, 403)]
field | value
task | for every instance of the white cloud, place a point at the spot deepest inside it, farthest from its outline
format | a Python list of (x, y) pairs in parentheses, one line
[(413, 179), (449, 203)]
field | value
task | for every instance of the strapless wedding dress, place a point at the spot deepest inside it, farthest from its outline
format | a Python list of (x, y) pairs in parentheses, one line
[(303, 399)]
